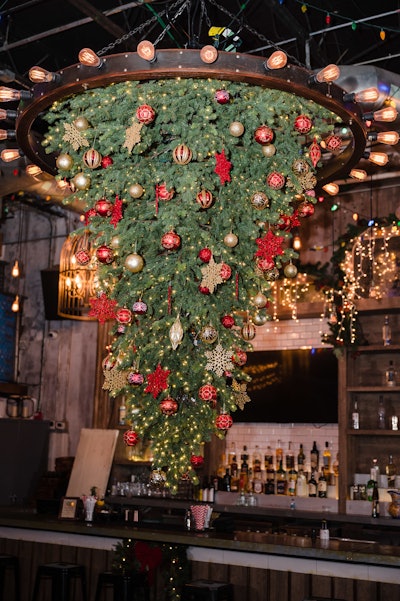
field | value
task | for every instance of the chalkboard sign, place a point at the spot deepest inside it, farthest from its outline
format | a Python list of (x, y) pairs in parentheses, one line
[(8, 328), (299, 385)]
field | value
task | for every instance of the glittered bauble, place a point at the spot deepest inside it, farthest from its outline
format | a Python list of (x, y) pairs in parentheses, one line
[(227, 321), (260, 300), (168, 406), (145, 114), (131, 438), (276, 180), (263, 134), (239, 357), (197, 461), (271, 275), (259, 319), (303, 124), (81, 123), (92, 158), (204, 290), (305, 209), (225, 271), (83, 257), (108, 363), (204, 199), (124, 315), (134, 263), (259, 201), (222, 96), (265, 264), (290, 270), (105, 254), (182, 154), (236, 129), (248, 331), (106, 162), (139, 307), (157, 478), (135, 378), (333, 143), (205, 255), (115, 242), (208, 393), (268, 150), (81, 181), (315, 152), (163, 192), (64, 161), (103, 207), (224, 421), (176, 333), (135, 190), (171, 241), (208, 334), (231, 240), (300, 166)]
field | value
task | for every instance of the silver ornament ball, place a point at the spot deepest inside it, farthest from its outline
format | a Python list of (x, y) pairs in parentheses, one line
[(268, 150), (236, 129), (136, 190), (134, 263), (64, 161), (290, 270), (231, 240), (82, 181)]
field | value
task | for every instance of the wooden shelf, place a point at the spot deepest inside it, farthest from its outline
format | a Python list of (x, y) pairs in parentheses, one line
[(372, 305), (382, 389), (373, 432), (378, 348)]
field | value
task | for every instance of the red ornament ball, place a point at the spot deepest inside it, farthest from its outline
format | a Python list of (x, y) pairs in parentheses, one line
[(224, 421), (275, 180), (222, 96), (171, 241), (135, 378), (145, 114), (108, 362), (124, 316), (204, 199), (106, 162), (239, 357), (225, 271), (204, 290), (140, 308), (182, 154), (333, 143), (263, 134), (83, 257), (303, 124), (208, 393), (227, 321), (163, 193), (168, 406), (205, 255), (103, 207), (197, 460), (92, 158), (105, 254), (305, 209), (131, 438)]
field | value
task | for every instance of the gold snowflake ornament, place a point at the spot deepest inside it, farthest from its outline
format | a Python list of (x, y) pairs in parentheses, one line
[(74, 136), (211, 275), (115, 380), (241, 396), (219, 360), (132, 135)]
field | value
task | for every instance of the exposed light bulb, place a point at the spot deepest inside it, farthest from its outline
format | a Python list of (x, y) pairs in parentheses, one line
[(7, 114), (326, 75), (40, 75), (89, 58), (33, 170), (9, 94), (367, 95), (385, 137), (15, 272), (387, 114), (297, 242), (15, 305), (208, 54), (358, 174), (277, 60), (379, 158), (146, 50), (331, 188), (10, 154), (7, 134)]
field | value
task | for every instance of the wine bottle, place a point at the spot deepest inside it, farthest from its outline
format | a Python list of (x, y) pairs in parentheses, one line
[(375, 502), (289, 457), (301, 458), (326, 457), (355, 416), (314, 458), (391, 473), (281, 482), (386, 332), (312, 486), (322, 486), (390, 375), (227, 481), (278, 454)]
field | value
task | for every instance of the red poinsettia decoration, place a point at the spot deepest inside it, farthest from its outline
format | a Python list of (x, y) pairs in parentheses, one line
[(269, 246), (103, 308), (222, 167), (88, 214), (157, 381), (116, 214)]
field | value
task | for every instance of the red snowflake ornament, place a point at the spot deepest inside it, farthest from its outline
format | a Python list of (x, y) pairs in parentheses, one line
[(269, 246), (157, 381), (222, 167), (288, 222), (197, 460), (103, 308)]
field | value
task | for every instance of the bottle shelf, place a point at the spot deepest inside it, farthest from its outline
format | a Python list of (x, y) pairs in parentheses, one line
[(382, 389), (373, 432), (378, 348)]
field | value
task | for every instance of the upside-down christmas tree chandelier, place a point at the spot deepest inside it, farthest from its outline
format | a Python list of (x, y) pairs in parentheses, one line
[(193, 167)]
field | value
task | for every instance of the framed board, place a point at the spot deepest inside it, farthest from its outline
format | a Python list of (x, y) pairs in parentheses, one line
[(8, 332)]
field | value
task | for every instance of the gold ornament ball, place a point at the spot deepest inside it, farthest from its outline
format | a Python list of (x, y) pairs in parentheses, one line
[(81, 123), (260, 300), (236, 129), (64, 161), (259, 319), (231, 240), (208, 334), (136, 191), (134, 263), (248, 331), (290, 270), (82, 181), (268, 150), (115, 242)]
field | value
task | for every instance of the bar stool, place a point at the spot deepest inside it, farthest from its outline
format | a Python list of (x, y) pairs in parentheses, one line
[(124, 585), (60, 574), (207, 590), (7, 563)]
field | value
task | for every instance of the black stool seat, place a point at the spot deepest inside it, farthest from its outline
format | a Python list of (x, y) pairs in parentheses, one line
[(124, 585), (9, 563), (61, 574), (207, 590)]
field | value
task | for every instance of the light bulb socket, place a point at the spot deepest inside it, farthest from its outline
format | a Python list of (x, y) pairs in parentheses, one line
[(8, 134), (7, 114)]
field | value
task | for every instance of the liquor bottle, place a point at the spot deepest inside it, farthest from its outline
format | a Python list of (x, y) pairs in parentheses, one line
[(301, 458), (375, 471), (355, 416), (281, 482), (292, 481), (244, 470), (386, 332), (301, 484), (326, 457), (289, 457), (257, 460), (314, 457), (122, 413), (234, 472), (269, 488), (232, 453), (381, 414), (391, 473), (227, 481), (312, 486), (268, 458), (375, 502), (390, 375), (278, 454), (322, 486)]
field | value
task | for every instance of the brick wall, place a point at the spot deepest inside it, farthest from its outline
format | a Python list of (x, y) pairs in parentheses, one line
[(278, 335)]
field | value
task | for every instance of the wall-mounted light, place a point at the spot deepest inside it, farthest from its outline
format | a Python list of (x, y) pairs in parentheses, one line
[(384, 137), (367, 95), (331, 188), (10, 154), (296, 242), (146, 50), (328, 74), (379, 158), (15, 305), (208, 54), (89, 58), (387, 114), (277, 60), (9, 94), (40, 75), (359, 174), (7, 134)]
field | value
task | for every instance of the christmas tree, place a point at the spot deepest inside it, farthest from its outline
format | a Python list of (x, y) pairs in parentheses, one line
[(191, 189)]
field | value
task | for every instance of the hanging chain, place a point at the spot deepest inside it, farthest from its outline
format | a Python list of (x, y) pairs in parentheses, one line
[(172, 20)]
